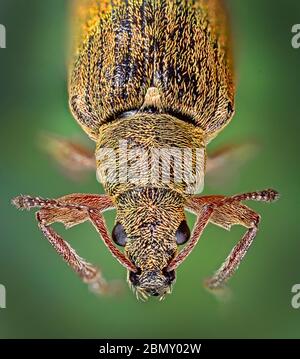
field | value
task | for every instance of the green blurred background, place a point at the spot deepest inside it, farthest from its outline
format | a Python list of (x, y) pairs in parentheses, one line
[(44, 298)]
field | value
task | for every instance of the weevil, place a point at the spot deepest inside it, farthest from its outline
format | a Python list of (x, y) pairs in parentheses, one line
[(153, 74)]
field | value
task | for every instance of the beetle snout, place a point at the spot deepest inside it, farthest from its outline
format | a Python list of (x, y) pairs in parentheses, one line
[(152, 282)]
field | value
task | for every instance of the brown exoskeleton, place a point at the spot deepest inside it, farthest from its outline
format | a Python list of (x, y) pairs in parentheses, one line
[(153, 74)]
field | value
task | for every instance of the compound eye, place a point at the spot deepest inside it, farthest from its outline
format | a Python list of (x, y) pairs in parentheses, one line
[(134, 277), (119, 235), (183, 233), (170, 276)]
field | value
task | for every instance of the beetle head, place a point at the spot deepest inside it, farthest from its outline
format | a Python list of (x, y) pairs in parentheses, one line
[(150, 225)]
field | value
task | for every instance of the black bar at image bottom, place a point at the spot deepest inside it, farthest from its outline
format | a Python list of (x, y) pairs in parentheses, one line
[(123, 348)]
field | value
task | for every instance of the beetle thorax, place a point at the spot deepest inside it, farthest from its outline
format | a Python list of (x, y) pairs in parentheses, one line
[(150, 150)]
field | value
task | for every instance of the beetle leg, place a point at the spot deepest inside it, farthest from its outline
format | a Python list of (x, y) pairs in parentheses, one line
[(73, 158), (98, 222), (70, 210), (229, 211)]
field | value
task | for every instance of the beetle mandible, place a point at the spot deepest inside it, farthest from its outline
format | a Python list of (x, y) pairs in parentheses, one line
[(153, 74)]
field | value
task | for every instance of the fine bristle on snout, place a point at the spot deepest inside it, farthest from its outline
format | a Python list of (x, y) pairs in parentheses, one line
[(151, 283)]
